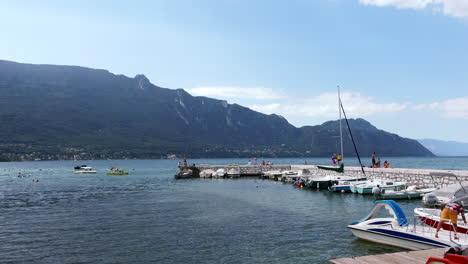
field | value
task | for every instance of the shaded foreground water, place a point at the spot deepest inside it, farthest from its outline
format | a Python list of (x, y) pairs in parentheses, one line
[(148, 217)]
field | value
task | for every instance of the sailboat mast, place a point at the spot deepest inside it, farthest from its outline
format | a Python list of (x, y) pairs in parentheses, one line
[(341, 132)]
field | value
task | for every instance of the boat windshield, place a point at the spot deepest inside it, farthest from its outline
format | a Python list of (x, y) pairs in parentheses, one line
[(392, 207)]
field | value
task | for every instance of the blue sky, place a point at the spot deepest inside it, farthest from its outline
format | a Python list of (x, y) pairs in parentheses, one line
[(401, 64)]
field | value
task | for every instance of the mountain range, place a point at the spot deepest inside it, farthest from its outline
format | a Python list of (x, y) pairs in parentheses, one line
[(65, 112), (445, 148)]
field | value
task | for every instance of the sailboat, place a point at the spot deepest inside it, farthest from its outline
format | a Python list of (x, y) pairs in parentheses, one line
[(336, 182)]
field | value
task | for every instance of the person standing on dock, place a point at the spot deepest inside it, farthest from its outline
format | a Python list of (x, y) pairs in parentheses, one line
[(450, 212), (373, 160), (255, 160)]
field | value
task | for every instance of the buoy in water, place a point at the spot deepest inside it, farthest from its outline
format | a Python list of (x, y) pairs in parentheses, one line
[(342, 191)]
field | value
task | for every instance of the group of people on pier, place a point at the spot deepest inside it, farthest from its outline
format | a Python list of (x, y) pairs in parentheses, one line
[(376, 164)]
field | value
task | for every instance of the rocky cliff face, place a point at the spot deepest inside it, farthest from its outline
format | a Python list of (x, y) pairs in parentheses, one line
[(72, 110)]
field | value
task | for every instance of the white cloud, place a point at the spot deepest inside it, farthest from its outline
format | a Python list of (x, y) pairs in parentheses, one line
[(325, 105), (225, 92), (455, 8), (452, 108), (415, 4)]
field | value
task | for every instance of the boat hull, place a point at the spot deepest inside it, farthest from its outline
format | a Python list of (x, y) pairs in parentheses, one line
[(117, 173), (84, 172), (320, 184), (396, 238), (340, 188), (432, 218), (368, 190), (400, 196)]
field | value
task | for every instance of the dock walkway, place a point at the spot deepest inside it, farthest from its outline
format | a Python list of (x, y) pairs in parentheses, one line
[(413, 257)]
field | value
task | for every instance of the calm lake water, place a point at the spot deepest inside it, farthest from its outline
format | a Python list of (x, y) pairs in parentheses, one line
[(148, 217)]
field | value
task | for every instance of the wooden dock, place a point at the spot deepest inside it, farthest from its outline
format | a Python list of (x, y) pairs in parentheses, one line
[(413, 257)]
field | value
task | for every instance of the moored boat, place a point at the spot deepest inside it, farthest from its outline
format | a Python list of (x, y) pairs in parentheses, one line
[(431, 217), (344, 186), (444, 195), (396, 230), (274, 175), (366, 188), (407, 194), (289, 176), (330, 180), (206, 173), (300, 183), (184, 174), (220, 173), (233, 172)]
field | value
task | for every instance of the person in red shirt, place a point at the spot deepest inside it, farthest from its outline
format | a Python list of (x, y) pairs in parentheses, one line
[(450, 212)]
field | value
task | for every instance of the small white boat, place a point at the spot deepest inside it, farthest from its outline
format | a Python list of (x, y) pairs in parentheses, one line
[(446, 194), (84, 170), (353, 185), (408, 194), (220, 173), (206, 173), (233, 172), (367, 187), (289, 176), (274, 175), (396, 230), (289, 173), (344, 186), (184, 174), (326, 182)]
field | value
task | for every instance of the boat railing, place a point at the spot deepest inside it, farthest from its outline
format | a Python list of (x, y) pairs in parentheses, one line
[(419, 225)]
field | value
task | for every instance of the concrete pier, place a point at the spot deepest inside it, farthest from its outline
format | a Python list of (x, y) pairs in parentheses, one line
[(426, 177)]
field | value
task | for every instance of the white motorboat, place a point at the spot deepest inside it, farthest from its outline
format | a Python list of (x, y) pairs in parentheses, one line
[(446, 194), (184, 174), (344, 186), (409, 193), (274, 174), (220, 173), (366, 188), (233, 172), (353, 185), (327, 182), (397, 231), (84, 170), (206, 173), (289, 176)]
